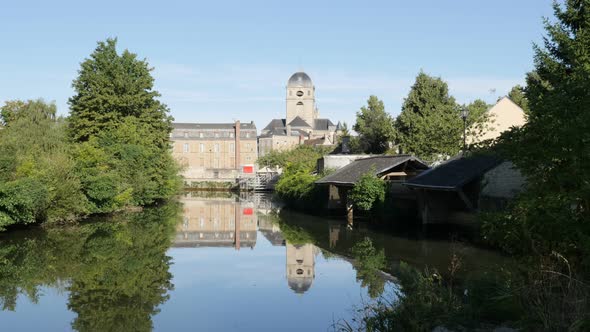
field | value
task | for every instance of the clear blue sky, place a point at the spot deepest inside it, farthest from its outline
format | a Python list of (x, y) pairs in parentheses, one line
[(216, 61)]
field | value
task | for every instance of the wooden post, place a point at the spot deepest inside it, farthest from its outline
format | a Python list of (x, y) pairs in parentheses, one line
[(349, 213)]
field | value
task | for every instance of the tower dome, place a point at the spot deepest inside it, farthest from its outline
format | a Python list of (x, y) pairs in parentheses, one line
[(300, 79)]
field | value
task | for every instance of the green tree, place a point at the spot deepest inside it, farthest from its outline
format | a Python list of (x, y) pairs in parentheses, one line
[(38, 181), (374, 126), (367, 192), (429, 125), (518, 96), (111, 87), (123, 129)]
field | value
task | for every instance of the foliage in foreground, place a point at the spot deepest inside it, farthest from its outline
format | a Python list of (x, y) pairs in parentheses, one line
[(368, 192)]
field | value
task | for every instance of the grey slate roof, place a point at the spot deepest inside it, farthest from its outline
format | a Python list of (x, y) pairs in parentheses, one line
[(275, 123), (454, 173), (299, 122), (247, 125), (351, 173), (322, 124)]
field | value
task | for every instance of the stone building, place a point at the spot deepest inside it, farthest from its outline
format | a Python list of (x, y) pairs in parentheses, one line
[(215, 151), (301, 123)]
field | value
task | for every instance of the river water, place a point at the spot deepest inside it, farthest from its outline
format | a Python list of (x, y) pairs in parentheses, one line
[(218, 263)]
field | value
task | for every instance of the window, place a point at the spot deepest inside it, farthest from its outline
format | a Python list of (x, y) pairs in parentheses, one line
[(200, 135), (308, 93), (247, 135), (201, 147), (300, 104), (185, 148), (216, 135), (216, 147), (232, 147), (186, 134), (231, 134), (299, 93)]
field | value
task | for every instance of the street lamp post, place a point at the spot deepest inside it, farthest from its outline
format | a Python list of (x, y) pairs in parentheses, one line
[(464, 114)]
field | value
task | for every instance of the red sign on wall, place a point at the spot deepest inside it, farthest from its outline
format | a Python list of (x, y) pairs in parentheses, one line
[(248, 169), (248, 211)]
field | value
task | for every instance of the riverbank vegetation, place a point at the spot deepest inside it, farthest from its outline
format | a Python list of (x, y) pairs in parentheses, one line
[(111, 153), (296, 185), (546, 228)]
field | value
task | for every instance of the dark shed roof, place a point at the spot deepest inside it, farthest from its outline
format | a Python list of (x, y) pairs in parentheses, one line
[(455, 173), (351, 173)]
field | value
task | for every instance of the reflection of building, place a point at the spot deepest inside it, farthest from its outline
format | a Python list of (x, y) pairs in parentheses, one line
[(215, 150), (300, 266), (270, 231), (302, 122), (216, 223)]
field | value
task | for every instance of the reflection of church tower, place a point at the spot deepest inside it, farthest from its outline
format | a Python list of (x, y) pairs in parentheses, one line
[(300, 266), (301, 99)]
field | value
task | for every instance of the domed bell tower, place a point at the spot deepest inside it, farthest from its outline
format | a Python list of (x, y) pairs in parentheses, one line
[(301, 98)]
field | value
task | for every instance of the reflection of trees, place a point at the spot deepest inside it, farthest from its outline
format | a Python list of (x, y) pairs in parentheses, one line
[(369, 263), (116, 271)]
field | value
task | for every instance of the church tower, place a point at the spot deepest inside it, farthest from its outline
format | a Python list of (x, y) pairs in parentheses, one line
[(301, 99)]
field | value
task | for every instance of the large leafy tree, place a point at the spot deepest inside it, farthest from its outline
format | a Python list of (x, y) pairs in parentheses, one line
[(429, 125), (111, 87), (123, 130), (553, 148), (374, 126)]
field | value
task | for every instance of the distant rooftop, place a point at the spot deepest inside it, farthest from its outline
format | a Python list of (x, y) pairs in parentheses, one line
[(246, 125)]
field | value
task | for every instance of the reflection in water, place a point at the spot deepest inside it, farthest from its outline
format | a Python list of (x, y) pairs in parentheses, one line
[(216, 222), (116, 272), (300, 266)]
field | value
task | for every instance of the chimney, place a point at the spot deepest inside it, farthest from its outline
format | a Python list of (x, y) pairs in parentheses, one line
[(237, 144)]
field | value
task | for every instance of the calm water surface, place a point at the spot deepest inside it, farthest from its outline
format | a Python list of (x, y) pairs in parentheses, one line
[(210, 264)]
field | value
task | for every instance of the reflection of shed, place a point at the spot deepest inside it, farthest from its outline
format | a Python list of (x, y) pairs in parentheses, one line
[(456, 189), (393, 169)]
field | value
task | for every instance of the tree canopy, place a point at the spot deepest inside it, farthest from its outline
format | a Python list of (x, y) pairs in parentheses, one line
[(111, 87), (374, 126), (429, 125)]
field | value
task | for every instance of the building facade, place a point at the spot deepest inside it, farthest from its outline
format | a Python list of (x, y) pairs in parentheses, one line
[(301, 123), (215, 151), (501, 117)]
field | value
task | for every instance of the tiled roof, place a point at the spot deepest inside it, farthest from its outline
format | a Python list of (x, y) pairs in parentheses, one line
[(455, 173), (351, 173)]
